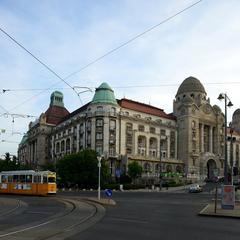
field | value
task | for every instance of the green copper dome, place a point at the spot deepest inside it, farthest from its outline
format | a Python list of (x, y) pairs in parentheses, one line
[(24, 139), (57, 99), (104, 94)]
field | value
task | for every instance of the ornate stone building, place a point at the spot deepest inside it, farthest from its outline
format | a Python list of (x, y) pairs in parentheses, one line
[(34, 149), (190, 140), (122, 131), (200, 131)]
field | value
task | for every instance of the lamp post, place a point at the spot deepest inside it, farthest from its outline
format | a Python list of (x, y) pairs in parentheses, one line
[(160, 166), (99, 158), (228, 103)]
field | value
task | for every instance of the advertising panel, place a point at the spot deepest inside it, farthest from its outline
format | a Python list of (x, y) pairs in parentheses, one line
[(228, 197)]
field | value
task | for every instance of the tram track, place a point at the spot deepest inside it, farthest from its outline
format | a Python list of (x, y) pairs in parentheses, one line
[(78, 216), (18, 207)]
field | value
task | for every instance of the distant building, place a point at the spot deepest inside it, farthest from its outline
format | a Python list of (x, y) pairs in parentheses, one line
[(188, 141)]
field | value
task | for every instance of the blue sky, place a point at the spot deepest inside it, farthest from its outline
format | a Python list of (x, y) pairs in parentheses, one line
[(202, 42)]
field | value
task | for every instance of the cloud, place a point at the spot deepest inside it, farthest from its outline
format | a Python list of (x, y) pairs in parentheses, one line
[(202, 42)]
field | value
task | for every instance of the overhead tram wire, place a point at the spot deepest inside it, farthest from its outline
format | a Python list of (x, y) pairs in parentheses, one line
[(38, 60), (127, 86), (101, 57), (132, 39)]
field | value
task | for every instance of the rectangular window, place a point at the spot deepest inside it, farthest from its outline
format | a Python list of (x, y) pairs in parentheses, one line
[(99, 136), (99, 150), (81, 130), (163, 132), (152, 130), (99, 122), (112, 124)]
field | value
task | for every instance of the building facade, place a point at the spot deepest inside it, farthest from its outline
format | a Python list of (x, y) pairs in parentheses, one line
[(34, 149), (190, 140)]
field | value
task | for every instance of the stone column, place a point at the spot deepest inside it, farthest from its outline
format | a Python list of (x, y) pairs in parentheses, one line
[(30, 153), (135, 143), (168, 147), (210, 139), (202, 137), (147, 145), (176, 137)]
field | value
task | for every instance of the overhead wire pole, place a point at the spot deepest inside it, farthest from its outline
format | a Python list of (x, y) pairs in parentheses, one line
[(104, 55)]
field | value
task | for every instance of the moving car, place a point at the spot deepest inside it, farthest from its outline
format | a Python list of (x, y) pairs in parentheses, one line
[(195, 188)]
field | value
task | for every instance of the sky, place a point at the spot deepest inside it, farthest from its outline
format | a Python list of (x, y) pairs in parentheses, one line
[(203, 42)]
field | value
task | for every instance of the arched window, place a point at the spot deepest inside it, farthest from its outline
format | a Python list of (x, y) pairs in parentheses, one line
[(153, 147), (178, 169), (193, 124), (62, 146), (169, 168), (99, 110), (68, 144), (142, 145), (57, 147), (147, 167)]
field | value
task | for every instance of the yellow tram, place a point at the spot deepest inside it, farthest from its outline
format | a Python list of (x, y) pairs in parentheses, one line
[(28, 182)]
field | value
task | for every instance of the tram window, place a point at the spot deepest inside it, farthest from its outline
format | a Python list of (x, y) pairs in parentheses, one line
[(45, 179), (29, 178), (10, 178), (15, 178), (22, 178), (37, 179), (4, 178), (51, 179)]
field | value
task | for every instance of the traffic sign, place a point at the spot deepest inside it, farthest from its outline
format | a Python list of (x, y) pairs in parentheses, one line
[(108, 192)]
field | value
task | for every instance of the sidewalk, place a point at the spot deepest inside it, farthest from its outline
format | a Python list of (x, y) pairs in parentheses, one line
[(209, 210), (164, 189)]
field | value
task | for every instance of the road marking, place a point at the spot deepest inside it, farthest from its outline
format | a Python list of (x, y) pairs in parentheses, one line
[(128, 220), (203, 210), (25, 229)]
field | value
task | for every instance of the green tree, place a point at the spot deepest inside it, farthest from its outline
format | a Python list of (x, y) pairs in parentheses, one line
[(9, 164), (134, 170), (82, 169)]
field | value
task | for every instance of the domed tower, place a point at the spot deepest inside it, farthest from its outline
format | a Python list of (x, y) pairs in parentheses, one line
[(102, 117), (191, 88), (199, 130), (236, 120), (56, 111), (104, 94)]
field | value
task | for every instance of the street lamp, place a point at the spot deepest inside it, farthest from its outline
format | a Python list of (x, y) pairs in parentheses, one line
[(99, 158), (228, 103), (160, 165)]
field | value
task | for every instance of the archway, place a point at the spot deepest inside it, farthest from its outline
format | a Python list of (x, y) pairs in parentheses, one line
[(211, 169)]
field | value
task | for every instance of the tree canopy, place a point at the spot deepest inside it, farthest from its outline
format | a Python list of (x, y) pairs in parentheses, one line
[(9, 164), (134, 170), (82, 169)]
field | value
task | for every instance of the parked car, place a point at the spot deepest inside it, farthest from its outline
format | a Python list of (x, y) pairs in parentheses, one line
[(195, 188)]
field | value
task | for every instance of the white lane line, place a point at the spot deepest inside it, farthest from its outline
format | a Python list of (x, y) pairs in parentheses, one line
[(28, 228)]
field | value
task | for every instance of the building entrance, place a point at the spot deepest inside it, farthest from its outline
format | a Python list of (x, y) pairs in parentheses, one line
[(212, 170)]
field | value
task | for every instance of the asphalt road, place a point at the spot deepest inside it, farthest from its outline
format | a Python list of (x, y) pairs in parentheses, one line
[(137, 215), (27, 217), (152, 215)]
